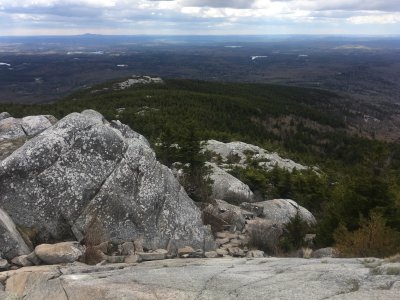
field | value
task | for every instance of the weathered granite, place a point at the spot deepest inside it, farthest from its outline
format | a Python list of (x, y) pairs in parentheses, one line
[(219, 278), (280, 211), (83, 167), (228, 188)]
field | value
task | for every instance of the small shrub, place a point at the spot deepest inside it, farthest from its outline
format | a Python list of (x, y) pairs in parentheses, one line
[(306, 252), (371, 263), (393, 271), (294, 233), (354, 285), (233, 158), (393, 259), (197, 185), (376, 271), (372, 239)]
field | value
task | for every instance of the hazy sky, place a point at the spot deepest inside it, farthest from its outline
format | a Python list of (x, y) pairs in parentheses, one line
[(39, 17)]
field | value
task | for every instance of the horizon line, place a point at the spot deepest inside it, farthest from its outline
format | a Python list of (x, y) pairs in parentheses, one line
[(206, 35)]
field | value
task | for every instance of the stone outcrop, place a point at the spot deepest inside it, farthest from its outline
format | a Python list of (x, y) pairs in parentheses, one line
[(228, 188), (84, 167), (237, 153), (277, 211), (280, 211), (262, 220), (218, 278)]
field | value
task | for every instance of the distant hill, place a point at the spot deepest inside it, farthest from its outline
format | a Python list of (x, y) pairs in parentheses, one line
[(301, 121)]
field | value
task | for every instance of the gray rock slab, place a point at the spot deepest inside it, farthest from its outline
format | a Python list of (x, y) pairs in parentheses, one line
[(218, 278)]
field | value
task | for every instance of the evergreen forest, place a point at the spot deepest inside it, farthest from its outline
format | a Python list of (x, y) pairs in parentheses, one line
[(352, 177)]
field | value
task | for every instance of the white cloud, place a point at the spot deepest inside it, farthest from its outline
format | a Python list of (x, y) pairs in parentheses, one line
[(185, 16), (239, 4), (376, 19)]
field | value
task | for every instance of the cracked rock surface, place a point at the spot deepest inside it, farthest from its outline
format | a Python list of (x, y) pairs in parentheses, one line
[(224, 278), (82, 167)]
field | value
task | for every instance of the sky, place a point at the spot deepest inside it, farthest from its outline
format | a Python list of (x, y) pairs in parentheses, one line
[(199, 17)]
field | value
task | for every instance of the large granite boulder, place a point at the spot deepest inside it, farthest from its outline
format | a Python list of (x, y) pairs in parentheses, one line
[(228, 188), (83, 168), (280, 211)]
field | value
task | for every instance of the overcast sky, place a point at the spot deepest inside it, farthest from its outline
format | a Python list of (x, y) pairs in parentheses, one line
[(42, 17)]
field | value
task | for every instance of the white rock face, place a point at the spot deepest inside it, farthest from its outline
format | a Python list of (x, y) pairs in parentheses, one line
[(266, 159), (228, 188), (136, 80), (83, 167)]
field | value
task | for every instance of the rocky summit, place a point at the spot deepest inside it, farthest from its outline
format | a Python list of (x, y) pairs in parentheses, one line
[(87, 212), (84, 167)]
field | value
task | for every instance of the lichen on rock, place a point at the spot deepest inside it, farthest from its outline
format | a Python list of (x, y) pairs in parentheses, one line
[(84, 167)]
